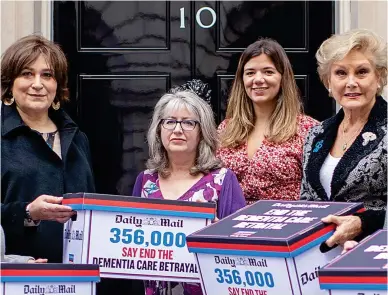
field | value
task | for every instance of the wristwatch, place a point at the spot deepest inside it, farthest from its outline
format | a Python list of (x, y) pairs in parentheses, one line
[(27, 216)]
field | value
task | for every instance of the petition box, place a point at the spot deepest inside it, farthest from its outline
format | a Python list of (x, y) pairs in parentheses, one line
[(48, 278), (267, 248), (361, 271), (134, 238)]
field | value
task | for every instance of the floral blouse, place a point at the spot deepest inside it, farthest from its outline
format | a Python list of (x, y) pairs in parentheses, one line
[(220, 186), (275, 170), (206, 189)]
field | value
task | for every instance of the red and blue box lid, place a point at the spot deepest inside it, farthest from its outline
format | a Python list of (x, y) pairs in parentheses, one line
[(270, 228), (127, 204), (363, 268), (49, 272)]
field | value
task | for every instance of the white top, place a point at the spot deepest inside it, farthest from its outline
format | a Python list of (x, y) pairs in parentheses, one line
[(326, 173)]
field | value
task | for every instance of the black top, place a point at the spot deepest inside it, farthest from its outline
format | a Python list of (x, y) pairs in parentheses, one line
[(360, 175), (30, 168)]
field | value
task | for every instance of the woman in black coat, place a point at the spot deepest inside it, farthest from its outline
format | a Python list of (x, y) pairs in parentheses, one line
[(345, 157), (43, 152)]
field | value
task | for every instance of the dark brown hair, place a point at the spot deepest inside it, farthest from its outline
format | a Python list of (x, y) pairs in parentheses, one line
[(24, 52), (284, 119)]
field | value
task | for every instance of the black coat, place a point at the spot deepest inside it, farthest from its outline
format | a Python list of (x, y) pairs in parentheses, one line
[(361, 174), (30, 168)]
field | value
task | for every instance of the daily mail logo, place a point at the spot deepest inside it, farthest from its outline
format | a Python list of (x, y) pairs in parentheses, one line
[(71, 234), (242, 234), (49, 289)]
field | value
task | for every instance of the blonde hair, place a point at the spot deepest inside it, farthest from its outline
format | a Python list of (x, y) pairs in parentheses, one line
[(338, 46), (206, 160), (283, 122)]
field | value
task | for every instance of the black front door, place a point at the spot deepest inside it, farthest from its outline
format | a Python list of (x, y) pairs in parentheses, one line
[(124, 55)]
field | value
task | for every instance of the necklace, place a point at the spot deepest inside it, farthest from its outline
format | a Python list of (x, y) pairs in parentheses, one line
[(344, 130)]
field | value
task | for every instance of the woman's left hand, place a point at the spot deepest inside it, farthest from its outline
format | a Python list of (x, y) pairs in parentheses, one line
[(348, 227), (349, 245), (39, 260)]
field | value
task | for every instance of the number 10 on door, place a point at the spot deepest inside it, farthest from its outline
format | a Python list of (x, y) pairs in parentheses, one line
[(198, 17)]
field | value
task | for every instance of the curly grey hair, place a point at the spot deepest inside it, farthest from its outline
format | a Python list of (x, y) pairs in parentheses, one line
[(206, 160), (338, 46)]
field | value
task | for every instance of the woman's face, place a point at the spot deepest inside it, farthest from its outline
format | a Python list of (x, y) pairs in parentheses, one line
[(353, 81), (261, 79), (179, 142), (35, 88)]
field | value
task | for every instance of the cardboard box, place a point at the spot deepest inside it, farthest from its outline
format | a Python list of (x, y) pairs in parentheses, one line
[(268, 248), (361, 271), (134, 238), (48, 278)]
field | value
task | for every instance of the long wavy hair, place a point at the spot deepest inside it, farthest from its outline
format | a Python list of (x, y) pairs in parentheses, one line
[(240, 112), (206, 160)]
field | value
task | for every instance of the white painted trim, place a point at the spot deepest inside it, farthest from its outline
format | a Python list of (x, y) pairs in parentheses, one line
[(344, 12), (47, 19), (354, 14), (22, 18), (344, 21)]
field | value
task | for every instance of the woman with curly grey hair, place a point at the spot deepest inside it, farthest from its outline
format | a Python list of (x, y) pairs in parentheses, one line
[(345, 157), (183, 166)]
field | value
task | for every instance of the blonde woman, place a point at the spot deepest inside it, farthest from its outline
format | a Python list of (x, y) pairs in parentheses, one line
[(345, 157), (263, 135)]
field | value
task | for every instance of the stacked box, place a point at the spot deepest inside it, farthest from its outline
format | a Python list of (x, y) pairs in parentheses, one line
[(134, 238), (268, 248), (361, 271), (50, 278)]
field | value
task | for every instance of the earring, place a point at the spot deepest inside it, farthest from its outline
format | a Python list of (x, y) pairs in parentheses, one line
[(378, 86), (330, 95), (56, 106), (9, 101)]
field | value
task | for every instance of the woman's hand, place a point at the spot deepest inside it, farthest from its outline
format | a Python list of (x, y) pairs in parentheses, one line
[(348, 227), (39, 260), (349, 245), (47, 207)]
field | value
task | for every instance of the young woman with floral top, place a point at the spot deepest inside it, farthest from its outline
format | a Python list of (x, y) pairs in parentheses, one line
[(263, 135)]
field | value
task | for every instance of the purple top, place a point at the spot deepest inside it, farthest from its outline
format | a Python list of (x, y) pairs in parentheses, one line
[(220, 186), (229, 194)]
